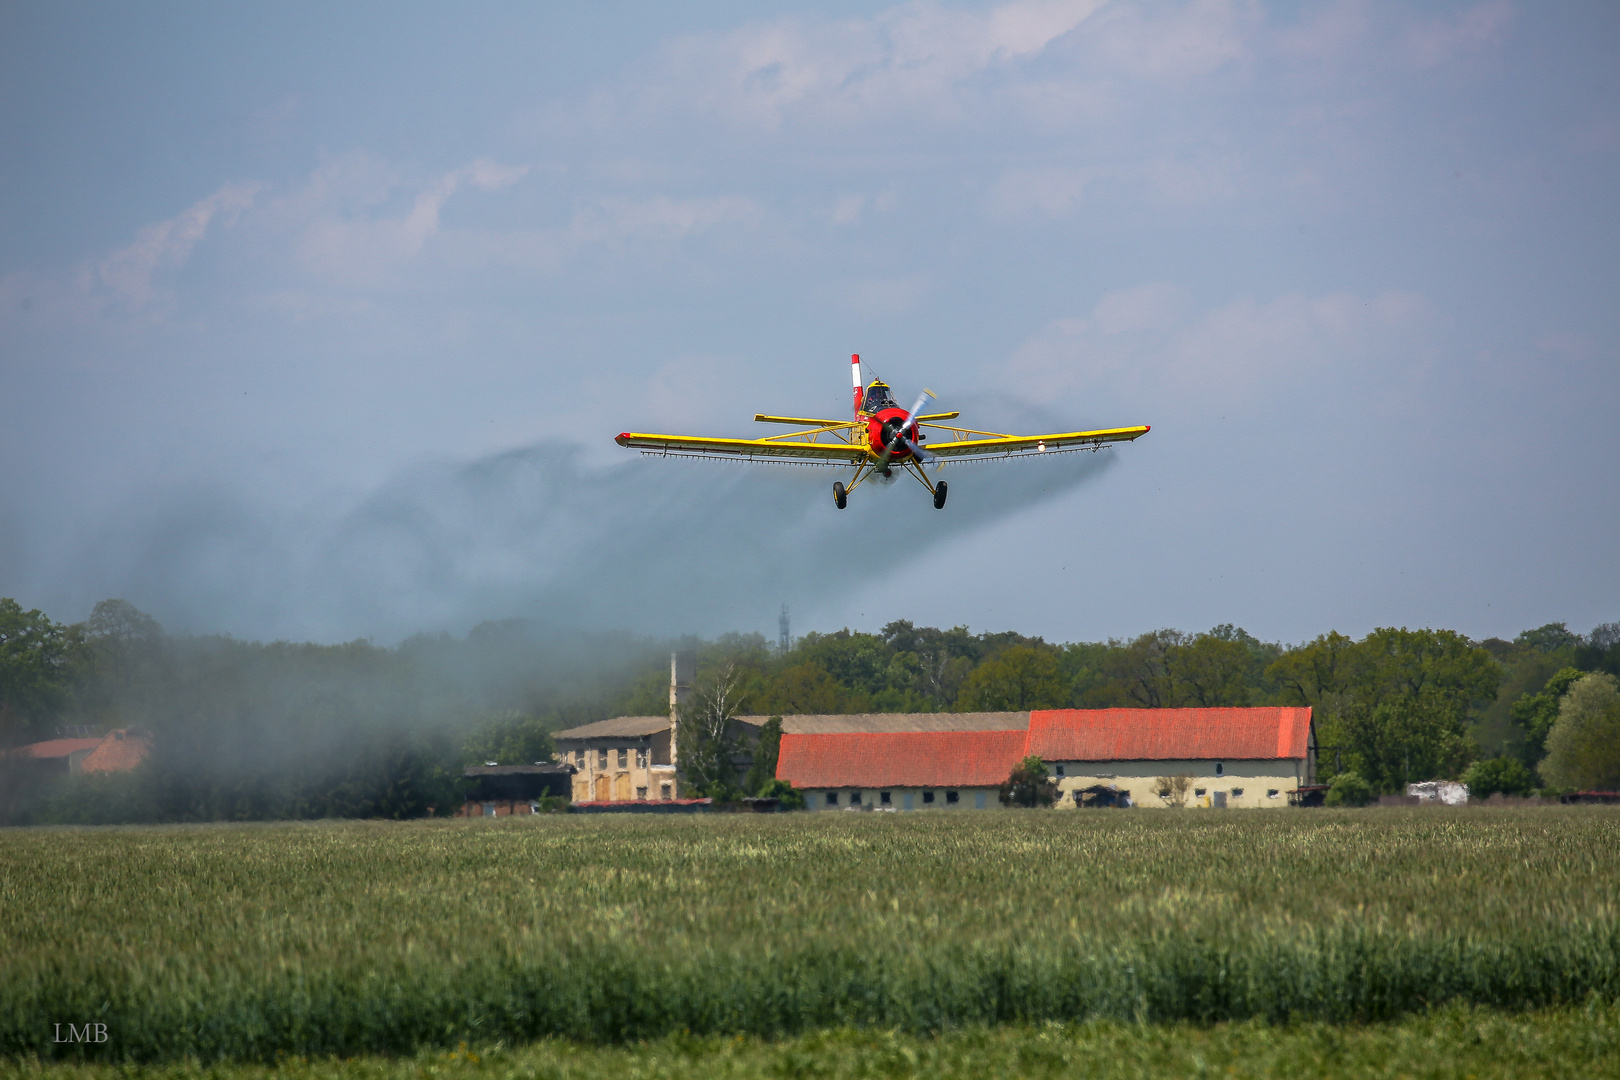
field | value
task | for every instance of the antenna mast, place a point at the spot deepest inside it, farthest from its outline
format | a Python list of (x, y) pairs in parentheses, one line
[(784, 639)]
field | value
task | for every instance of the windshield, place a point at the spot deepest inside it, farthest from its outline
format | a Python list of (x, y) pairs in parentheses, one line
[(878, 397)]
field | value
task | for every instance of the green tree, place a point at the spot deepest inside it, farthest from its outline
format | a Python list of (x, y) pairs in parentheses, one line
[(762, 773), (1506, 775), (35, 668), (707, 743), (509, 738), (787, 796), (1029, 785), (1405, 740), (1535, 714), (1441, 666), (1554, 637), (1583, 747), (1212, 669), (1600, 651), (810, 689), (1317, 672), (1349, 789), (1017, 678), (1143, 672)]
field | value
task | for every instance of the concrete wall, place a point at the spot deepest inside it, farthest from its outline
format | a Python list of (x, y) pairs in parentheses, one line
[(1253, 784), (903, 798)]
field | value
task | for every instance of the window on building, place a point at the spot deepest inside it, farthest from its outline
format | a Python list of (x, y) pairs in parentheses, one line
[(641, 793), (832, 798), (1220, 769), (883, 797), (1271, 793), (489, 809), (928, 798), (1237, 793), (1060, 770), (951, 798), (854, 798), (579, 758), (663, 791), (641, 758), (601, 759), (1164, 793), (624, 759), (1198, 791)]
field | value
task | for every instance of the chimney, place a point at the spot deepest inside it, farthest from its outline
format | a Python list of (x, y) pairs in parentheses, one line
[(682, 674)]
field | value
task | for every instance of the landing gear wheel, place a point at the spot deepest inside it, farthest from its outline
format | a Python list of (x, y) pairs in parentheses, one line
[(841, 497), (939, 495)]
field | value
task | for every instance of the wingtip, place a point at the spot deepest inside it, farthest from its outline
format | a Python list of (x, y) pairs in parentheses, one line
[(622, 438)]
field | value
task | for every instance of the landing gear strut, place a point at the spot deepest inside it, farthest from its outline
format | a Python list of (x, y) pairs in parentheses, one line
[(841, 497), (939, 495)]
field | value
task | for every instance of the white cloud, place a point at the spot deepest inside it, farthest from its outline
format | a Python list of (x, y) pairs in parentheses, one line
[(1443, 40), (128, 274), (1184, 42), (659, 218), (1143, 340), (1050, 192), (364, 251), (908, 58), (847, 210)]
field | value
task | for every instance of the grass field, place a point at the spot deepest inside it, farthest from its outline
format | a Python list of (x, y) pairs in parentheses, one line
[(1453, 1044), (248, 942)]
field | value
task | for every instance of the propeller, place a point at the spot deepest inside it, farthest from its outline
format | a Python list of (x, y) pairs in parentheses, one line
[(899, 436)]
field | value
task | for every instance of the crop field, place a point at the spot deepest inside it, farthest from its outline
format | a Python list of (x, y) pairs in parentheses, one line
[(259, 942)]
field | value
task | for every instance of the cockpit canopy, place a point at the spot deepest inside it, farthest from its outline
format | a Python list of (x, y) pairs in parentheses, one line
[(878, 397)]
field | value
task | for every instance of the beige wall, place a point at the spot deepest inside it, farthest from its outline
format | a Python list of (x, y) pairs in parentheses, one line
[(615, 783), (904, 798), (1254, 779)]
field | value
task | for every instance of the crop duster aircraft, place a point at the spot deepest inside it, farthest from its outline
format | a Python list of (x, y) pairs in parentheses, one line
[(880, 441)]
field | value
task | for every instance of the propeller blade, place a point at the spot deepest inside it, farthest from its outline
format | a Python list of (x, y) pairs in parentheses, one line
[(893, 445)]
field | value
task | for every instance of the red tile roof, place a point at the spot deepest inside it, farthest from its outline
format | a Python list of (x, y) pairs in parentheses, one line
[(120, 751), (943, 759), (57, 748), (1247, 734)]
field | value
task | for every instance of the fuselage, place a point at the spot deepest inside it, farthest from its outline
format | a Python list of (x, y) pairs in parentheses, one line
[(875, 406)]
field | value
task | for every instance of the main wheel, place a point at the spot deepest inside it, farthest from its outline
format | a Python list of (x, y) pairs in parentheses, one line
[(939, 495), (841, 497)]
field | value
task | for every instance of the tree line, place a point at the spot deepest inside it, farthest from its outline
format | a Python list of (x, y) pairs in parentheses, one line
[(254, 730)]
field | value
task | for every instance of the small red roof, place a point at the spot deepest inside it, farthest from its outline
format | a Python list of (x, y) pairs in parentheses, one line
[(1234, 734), (943, 759), (58, 748)]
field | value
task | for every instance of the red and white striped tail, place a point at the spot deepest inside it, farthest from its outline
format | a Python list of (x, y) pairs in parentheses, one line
[(855, 369)]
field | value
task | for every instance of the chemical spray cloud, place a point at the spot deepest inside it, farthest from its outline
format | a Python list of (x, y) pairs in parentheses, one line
[(659, 545)]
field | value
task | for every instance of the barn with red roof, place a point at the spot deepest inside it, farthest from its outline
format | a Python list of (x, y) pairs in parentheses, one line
[(1256, 757), (1217, 757)]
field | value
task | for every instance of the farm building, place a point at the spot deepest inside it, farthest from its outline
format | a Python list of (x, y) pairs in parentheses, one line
[(503, 790), (1254, 757), (1115, 757), (1220, 757), (119, 750)]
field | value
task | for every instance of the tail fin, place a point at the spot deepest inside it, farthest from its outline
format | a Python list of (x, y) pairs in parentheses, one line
[(855, 368)]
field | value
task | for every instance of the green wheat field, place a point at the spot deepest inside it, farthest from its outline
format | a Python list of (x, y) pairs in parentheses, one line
[(1378, 942)]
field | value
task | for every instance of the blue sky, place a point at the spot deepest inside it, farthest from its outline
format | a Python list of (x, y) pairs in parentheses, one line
[(317, 320)]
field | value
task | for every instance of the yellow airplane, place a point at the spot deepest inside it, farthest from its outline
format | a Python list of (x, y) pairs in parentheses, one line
[(880, 439)]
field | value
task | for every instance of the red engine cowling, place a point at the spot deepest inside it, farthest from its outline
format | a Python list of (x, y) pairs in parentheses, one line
[(875, 433)]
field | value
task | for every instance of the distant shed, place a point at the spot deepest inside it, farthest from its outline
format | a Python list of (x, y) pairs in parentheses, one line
[(503, 790)]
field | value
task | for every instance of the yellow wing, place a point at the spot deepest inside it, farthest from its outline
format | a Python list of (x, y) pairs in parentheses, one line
[(989, 444), (828, 443)]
